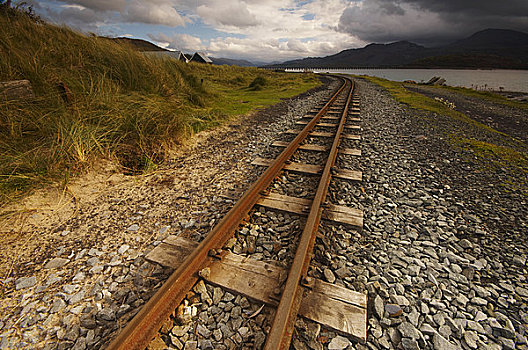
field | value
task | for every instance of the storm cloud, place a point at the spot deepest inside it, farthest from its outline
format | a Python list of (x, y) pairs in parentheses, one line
[(430, 22)]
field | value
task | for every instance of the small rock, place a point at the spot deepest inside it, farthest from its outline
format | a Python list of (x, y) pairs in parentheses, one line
[(440, 343), (393, 310), (57, 305), (133, 227), (25, 282), (464, 243), (56, 263), (106, 314), (339, 343), (409, 344), (523, 292), (123, 249), (519, 260), (329, 275), (378, 307), (471, 337), (92, 261), (407, 330)]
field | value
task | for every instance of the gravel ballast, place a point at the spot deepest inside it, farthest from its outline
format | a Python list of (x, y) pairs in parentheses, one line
[(73, 283), (442, 255)]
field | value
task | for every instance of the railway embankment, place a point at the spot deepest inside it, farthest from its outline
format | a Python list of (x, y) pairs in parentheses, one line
[(442, 254)]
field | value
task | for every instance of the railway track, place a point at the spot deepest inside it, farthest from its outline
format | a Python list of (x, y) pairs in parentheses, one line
[(280, 276)]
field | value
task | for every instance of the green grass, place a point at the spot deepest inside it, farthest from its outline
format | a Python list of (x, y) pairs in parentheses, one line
[(126, 106)]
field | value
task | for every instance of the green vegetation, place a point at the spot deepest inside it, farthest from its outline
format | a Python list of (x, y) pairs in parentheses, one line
[(419, 101), (118, 103), (485, 95), (496, 156)]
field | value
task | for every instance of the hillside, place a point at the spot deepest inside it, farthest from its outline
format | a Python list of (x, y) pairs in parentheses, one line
[(138, 44), (96, 98), (490, 48), (232, 62)]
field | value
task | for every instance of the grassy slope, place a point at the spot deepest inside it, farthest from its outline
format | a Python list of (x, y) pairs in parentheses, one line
[(126, 106), (511, 154)]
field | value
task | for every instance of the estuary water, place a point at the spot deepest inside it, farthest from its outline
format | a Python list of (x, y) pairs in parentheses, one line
[(493, 79)]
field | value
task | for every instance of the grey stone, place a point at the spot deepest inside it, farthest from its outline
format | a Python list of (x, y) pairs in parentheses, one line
[(407, 330), (92, 261), (470, 338), (88, 322), (56, 263), (409, 344), (519, 260), (203, 331), (74, 299), (123, 249), (393, 310), (507, 344), (329, 275), (427, 329), (25, 282), (464, 243), (191, 345), (378, 307), (523, 292), (440, 343), (57, 306), (133, 227), (106, 314), (339, 343), (479, 301)]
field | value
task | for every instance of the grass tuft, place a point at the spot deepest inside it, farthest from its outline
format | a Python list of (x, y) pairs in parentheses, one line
[(124, 106), (257, 84)]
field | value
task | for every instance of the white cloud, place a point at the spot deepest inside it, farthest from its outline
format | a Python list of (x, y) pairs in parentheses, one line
[(262, 30), (153, 12), (229, 13), (281, 31), (182, 42)]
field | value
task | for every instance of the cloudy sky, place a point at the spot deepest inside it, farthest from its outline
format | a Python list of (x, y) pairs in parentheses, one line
[(276, 30)]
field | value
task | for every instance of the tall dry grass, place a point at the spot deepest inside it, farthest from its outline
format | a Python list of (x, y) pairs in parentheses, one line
[(124, 105)]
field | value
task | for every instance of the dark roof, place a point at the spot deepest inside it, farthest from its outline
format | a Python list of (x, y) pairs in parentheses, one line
[(174, 54), (200, 57)]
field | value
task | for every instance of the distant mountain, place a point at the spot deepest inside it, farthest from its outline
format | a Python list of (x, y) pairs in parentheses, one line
[(139, 44), (232, 62), (490, 48)]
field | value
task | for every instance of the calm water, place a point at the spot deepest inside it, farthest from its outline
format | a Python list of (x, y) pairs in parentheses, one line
[(510, 80)]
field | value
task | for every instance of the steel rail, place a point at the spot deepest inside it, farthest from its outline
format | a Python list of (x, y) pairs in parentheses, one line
[(144, 326), (281, 331)]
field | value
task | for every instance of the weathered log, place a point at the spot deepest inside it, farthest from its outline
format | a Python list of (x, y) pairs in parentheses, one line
[(16, 90)]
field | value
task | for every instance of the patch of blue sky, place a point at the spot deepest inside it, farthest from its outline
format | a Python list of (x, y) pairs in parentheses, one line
[(140, 30), (308, 16), (301, 3)]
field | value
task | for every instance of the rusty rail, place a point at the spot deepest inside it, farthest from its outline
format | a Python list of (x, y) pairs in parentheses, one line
[(143, 327), (281, 331)]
